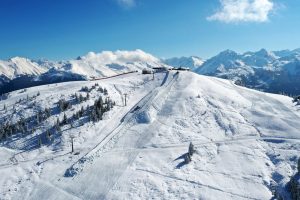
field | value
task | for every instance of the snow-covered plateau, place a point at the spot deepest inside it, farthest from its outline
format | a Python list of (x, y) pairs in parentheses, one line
[(246, 142)]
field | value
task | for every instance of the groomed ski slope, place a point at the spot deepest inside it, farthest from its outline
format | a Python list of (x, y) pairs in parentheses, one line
[(247, 143)]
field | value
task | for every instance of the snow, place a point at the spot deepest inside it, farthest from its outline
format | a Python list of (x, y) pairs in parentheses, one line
[(17, 66), (246, 142), (103, 64), (108, 63), (192, 62), (276, 72)]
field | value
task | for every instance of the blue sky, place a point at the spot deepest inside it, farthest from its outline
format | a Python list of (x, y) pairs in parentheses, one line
[(64, 29)]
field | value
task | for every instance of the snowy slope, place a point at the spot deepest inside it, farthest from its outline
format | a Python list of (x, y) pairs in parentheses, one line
[(247, 142)]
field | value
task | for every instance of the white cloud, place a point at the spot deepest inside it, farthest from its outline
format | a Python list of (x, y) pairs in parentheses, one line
[(243, 11), (127, 3), (120, 57)]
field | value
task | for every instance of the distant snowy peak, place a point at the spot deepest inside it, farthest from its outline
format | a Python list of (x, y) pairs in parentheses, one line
[(106, 63), (48, 64), (277, 71), (223, 61), (228, 60), (18, 66), (191, 62), (271, 60)]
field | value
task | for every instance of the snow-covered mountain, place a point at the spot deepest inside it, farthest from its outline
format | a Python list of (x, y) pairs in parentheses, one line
[(192, 62), (18, 66), (18, 73), (109, 63), (277, 72), (246, 142)]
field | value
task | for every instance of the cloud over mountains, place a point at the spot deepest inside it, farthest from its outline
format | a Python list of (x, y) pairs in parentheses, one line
[(243, 11)]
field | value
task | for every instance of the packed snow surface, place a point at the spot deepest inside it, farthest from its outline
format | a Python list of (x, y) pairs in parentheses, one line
[(246, 142)]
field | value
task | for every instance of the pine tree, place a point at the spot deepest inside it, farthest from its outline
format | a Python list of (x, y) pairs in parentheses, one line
[(105, 91), (81, 111), (48, 135), (80, 98), (1, 134), (76, 97), (191, 149), (38, 118), (57, 125), (100, 89), (47, 112), (65, 119), (299, 165), (40, 141)]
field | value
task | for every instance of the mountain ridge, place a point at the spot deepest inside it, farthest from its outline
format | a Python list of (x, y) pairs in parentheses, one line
[(271, 71)]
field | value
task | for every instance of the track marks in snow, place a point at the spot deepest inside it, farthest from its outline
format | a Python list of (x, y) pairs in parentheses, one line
[(199, 184), (126, 123)]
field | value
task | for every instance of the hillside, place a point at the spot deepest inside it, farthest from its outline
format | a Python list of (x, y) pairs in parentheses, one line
[(247, 142)]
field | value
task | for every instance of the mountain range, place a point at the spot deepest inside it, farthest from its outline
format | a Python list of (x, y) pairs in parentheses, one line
[(275, 72), (18, 73), (270, 71)]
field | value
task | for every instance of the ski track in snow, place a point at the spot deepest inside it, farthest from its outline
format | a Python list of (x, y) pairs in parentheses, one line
[(132, 155), (112, 138)]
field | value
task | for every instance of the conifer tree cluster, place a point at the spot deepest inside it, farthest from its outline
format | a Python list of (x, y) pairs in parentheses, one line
[(86, 89), (64, 105), (103, 90), (23, 125), (294, 184), (28, 98), (79, 98), (100, 107), (296, 99), (88, 113)]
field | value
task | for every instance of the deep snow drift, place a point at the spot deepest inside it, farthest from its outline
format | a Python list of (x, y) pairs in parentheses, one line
[(247, 142)]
